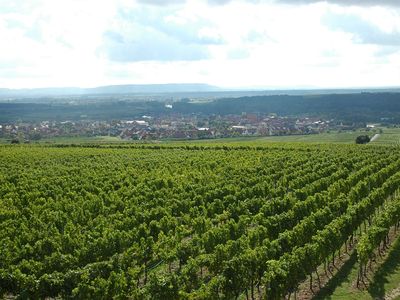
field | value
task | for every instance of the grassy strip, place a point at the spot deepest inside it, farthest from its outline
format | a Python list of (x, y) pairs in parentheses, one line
[(385, 279)]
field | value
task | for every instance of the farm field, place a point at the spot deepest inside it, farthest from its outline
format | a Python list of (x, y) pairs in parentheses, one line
[(389, 136), (346, 137), (70, 140), (187, 221)]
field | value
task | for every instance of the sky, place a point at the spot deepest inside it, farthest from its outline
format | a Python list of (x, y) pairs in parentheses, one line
[(233, 44)]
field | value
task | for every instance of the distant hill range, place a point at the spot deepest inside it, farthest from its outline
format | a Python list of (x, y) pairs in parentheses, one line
[(112, 90), (179, 90)]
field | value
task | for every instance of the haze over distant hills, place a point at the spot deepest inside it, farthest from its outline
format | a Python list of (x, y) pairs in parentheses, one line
[(112, 90), (180, 90)]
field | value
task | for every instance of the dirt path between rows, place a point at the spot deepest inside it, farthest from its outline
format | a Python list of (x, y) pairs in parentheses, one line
[(376, 136), (393, 294)]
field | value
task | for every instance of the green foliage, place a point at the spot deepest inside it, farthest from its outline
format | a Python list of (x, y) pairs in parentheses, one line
[(362, 139), (379, 230), (171, 222)]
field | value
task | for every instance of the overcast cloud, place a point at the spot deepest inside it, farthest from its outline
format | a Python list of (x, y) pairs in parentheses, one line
[(237, 43), (362, 30), (346, 2), (295, 2)]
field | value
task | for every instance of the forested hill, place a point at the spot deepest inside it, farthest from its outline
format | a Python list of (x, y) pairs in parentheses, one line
[(358, 107), (363, 107)]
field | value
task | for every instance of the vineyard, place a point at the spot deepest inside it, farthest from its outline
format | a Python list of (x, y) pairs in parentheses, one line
[(189, 221)]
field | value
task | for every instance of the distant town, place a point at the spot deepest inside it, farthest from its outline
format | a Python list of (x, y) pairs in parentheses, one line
[(171, 127)]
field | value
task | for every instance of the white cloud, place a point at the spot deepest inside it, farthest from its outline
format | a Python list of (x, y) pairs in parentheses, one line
[(240, 43)]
